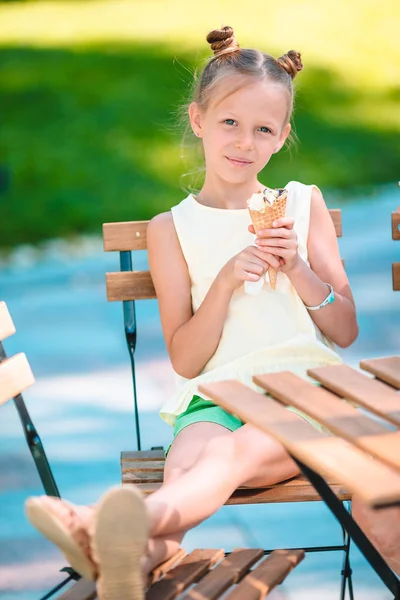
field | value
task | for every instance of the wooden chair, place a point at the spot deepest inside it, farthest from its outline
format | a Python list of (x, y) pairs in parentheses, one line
[(144, 468), (245, 573), (15, 377)]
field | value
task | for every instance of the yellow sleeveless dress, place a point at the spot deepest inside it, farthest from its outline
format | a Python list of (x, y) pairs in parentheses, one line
[(268, 332)]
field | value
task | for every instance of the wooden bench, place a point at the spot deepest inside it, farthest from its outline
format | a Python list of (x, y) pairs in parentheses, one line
[(144, 468), (210, 573)]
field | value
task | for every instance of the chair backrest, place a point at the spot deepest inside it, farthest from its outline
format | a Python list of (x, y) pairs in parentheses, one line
[(15, 372), (124, 237), (15, 377), (396, 236)]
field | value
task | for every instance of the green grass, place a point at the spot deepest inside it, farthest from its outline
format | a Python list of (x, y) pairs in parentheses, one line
[(89, 131)]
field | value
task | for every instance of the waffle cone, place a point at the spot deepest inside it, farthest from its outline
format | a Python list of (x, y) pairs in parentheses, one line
[(263, 219)]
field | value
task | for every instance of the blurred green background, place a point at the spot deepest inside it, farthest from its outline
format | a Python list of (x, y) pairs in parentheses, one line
[(89, 91)]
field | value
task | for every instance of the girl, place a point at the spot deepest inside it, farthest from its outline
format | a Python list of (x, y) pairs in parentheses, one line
[(205, 260)]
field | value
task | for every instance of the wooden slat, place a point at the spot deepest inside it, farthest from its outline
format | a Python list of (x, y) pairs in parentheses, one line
[(336, 215), (15, 377), (270, 573), (361, 389), (82, 590), (132, 235), (129, 285), (386, 369), (142, 465), (142, 455), (396, 225), (297, 489), (396, 276), (6, 325), (127, 235), (166, 566), (337, 415), (231, 570), (194, 566), (376, 484)]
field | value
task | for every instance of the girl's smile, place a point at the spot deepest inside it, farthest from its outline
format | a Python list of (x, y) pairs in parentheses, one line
[(239, 162)]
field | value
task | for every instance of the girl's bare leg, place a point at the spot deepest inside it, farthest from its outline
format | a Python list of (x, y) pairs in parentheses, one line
[(227, 460)]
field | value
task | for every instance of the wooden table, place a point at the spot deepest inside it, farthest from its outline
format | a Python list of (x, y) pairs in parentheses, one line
[(360, 444)]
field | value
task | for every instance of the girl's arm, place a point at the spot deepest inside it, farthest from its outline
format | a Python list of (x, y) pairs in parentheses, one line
[(191, 339), (337, 320)]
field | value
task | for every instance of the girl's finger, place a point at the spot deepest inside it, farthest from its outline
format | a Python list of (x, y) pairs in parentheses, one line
[(250, 276), (273, 242), (282, 232), (287, 222)]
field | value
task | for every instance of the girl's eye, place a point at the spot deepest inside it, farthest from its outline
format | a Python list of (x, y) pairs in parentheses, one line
[(265, 129), (230, 121)]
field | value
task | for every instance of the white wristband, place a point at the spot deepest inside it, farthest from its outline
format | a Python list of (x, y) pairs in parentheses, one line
[(328, 300)]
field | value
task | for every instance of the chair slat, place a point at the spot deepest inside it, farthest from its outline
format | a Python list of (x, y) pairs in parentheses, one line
[(194, 566), (361, 389), (376, 483), (82, 590), (396, 225), (6, 324), (132, 235), (231, 570), (143, 465), (281, 492), (334, 413), (386, 369), (270, 573), (15, 377), (396, 276), (166, 566), (129, 285), (142, 455), (336, 216), (127, 235)]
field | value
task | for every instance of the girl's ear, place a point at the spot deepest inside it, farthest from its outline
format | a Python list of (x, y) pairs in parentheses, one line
[(195, 119), (283, 137)]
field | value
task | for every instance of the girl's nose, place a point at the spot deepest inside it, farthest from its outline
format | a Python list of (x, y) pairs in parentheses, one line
[(244, 142)]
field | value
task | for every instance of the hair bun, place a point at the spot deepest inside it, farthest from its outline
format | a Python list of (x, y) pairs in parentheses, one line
[(291, 62), (222, 41)]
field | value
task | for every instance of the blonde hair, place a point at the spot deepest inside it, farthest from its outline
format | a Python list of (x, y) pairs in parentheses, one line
[(230, 60)]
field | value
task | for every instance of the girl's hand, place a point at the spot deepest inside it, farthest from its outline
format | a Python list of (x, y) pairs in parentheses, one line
[(281, 242), (249, 265)]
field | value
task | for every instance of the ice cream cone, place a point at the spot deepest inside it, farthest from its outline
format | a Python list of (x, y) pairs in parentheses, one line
[(263, 219)]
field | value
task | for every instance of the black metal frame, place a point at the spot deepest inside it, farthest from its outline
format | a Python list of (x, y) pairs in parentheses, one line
[(42, 466), (348, 524), (130, 327)]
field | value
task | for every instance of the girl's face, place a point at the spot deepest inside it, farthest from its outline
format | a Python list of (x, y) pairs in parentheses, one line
[(242, 131)]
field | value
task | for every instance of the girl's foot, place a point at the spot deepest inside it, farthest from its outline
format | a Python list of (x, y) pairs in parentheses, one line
[(119, 540), (66, 525)]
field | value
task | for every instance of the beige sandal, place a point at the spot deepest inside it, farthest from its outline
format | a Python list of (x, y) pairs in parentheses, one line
[(47, 515), (120, 536)]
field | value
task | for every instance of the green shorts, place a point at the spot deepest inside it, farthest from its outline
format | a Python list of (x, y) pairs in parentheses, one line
[(201, 410)]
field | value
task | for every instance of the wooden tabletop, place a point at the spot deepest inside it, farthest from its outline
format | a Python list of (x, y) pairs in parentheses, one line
[(359, 411)]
